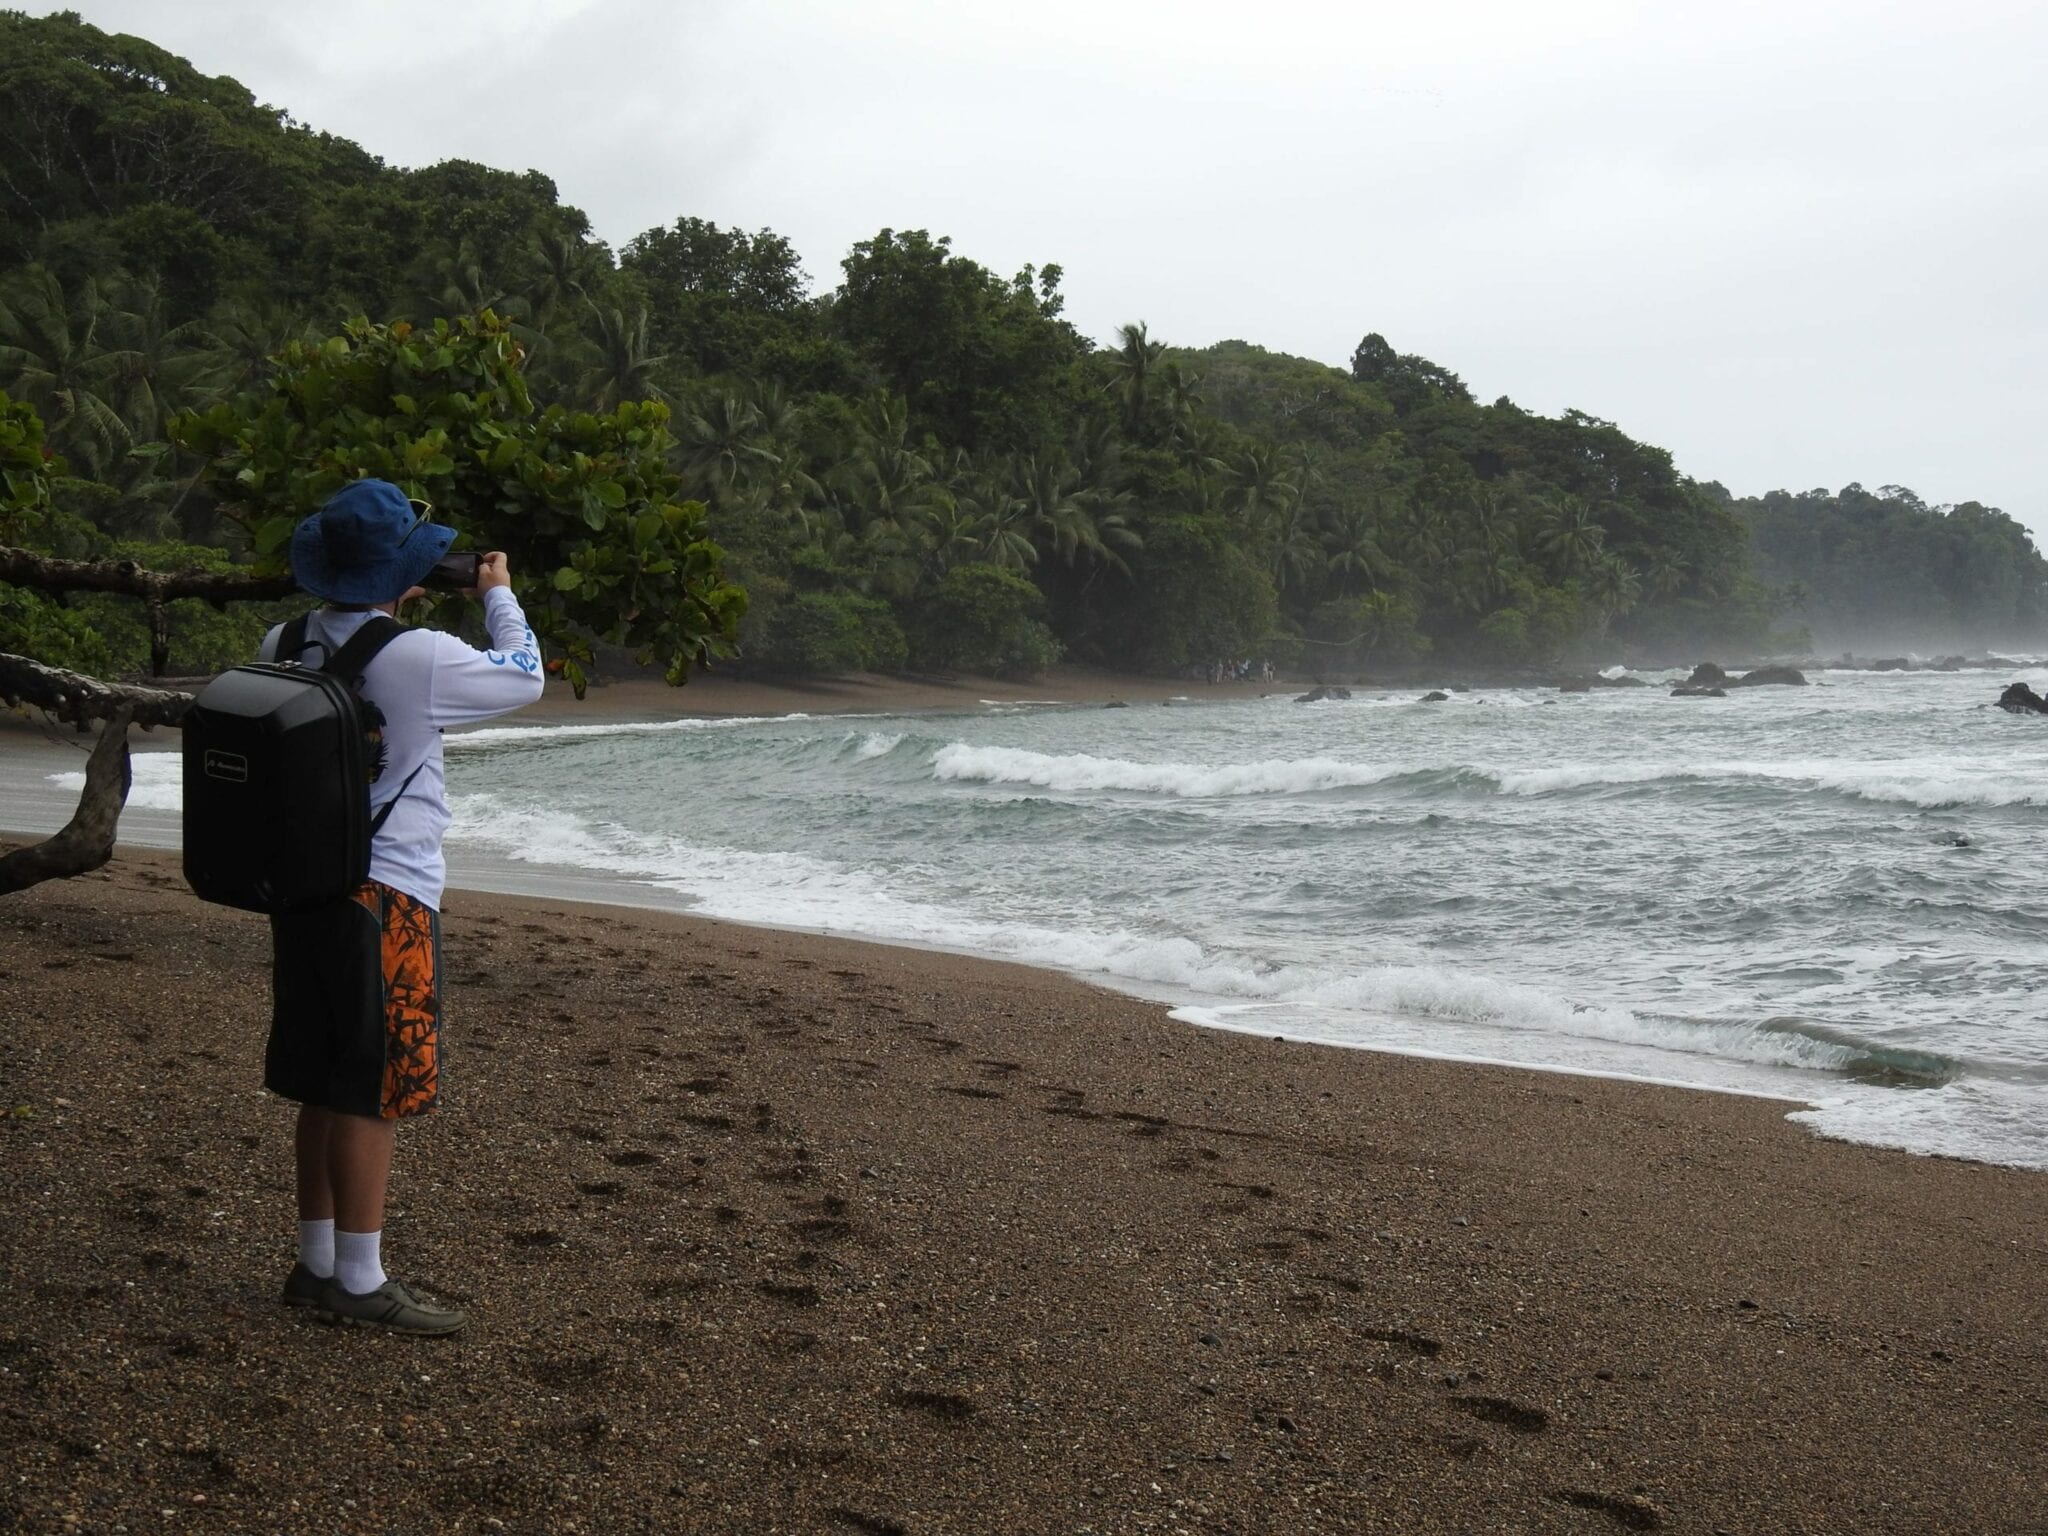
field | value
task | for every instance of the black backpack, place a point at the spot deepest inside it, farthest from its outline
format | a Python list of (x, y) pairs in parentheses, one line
[(279, 759)]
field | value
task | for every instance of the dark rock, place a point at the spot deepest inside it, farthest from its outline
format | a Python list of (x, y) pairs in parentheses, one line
[(1116, 704), (1574, 685), (1705, 675), (1323, 691), (1948, 664), (2022, 700), (1437, 696), (1892, 664), (1790, 677), (1689, 691)]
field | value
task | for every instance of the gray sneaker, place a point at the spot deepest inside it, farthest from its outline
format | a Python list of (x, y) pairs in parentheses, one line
[(303, 1288), (391, 1306)]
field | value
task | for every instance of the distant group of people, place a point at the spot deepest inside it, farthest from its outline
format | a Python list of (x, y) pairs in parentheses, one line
[(1239, 671)]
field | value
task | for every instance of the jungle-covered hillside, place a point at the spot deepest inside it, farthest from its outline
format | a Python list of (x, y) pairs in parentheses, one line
[(913, 461)]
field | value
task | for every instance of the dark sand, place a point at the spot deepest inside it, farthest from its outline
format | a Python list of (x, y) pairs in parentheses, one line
[(766, 1232)]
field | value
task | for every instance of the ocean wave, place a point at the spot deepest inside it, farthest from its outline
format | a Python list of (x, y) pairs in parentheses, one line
[(1924, 784), (508, 735), (797, 890), (1080, 771), (157, 781), (874, 744)]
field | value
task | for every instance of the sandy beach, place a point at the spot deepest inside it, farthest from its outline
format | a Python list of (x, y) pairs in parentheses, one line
[(771, 1232)]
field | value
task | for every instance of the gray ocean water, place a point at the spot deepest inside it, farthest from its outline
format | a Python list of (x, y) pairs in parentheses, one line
[(1835, 894)]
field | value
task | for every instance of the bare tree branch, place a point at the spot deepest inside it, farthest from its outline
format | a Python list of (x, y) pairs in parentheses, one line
[(45, 573), (87, 840), (75, 698)]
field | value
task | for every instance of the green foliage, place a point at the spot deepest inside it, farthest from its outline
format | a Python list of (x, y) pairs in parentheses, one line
[(728, 302), (584, 503), (983, 618), (27, 465), (824, 632), (1884, 566), (1200, 597), (170, 249), (203, 638), (1347, 633), (34, 625), (985, 365)]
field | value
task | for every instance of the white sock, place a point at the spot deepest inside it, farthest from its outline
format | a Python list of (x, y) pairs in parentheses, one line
[(316, 1247), (357, 1265)]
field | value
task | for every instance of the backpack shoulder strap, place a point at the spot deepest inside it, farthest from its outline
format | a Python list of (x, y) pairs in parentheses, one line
[(291, 645), (348, 664), (362, 646)]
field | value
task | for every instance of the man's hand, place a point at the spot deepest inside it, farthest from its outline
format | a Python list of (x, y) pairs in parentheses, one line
[(492, 571)]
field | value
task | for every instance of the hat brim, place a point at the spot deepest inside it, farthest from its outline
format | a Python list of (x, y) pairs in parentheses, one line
[(381, 583)]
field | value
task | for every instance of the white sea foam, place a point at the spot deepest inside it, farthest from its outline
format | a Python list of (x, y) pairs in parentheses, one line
[(1925, 783), (158, 781), (506, 735), (1078, 771), (877, 744), (796, 890), (1992, 1121)]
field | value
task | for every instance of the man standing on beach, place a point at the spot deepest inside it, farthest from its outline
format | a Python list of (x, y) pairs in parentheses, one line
[(355, 1024)]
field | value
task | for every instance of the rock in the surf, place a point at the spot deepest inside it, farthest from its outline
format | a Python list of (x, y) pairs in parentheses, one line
[(1322, 691), (1790, 677), (1694, 691), (2022, 700)]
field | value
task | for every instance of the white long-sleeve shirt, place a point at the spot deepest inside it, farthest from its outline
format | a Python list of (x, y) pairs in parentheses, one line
[(424, 681)]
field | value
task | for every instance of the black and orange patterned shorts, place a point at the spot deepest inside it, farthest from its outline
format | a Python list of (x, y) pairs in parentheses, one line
[(355, 1023)]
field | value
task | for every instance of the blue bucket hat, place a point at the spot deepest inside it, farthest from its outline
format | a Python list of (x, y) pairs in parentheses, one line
[(368, 544)]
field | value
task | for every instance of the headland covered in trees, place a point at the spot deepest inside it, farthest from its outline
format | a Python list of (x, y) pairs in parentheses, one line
[(924, 466)]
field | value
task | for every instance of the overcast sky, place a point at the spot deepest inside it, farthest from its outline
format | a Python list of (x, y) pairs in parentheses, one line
[(1797, 243)]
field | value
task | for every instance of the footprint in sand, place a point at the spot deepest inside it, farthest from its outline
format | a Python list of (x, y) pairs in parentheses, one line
[(1499, 1410), (949, 1407), (1428, 1348), (1629, 1514), (869, 1524)]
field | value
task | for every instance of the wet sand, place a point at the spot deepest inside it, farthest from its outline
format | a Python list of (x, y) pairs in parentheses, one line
[(772, 1232)]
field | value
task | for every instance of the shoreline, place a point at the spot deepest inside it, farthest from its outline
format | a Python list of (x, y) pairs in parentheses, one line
[(1798, 1092), (775, 1230)]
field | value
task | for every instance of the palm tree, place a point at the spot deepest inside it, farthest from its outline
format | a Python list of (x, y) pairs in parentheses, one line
[(1568, 537), (888, 496), (1070, 518), (985, 522), (154, 368), (1613, 585), (614, 363), (244, 337), (1136, 362), (458, 284), (58, 353), (1183, 392), (720, 445), (1353, 552), (1260, 484), (1664, 575), (1298, 557)]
